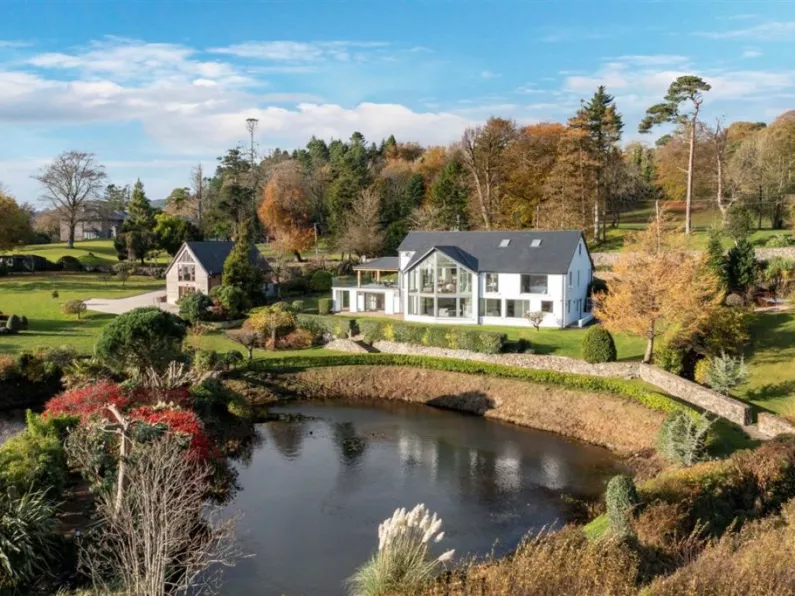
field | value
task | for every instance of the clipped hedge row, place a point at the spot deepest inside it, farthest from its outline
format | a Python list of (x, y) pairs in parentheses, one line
[(627, 389), (318, 325)]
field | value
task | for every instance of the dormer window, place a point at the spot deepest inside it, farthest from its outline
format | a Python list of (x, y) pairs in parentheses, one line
[(504, 243), (535, 243)]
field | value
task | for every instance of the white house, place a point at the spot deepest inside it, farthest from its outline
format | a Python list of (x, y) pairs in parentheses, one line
[(198, 266), (486, 278)]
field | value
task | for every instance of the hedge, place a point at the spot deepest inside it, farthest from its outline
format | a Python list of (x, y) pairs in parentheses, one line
[(339, 327), (627, 389), (436, 336)]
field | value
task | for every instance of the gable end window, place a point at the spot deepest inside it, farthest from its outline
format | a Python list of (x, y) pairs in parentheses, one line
[(492, 283), (534, 284)]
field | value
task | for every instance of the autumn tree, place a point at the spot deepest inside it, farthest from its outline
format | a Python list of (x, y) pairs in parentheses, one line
[(15, 228), (681, 106), (363, 235), (482, 151), (286, 209), (658, 285), (70, 182)]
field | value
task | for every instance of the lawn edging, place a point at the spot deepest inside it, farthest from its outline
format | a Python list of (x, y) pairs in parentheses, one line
[(625, 388)]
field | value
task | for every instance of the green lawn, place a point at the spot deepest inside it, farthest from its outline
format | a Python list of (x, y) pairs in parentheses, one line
[(89, 252), (703, 220), (771, 363), (559, 342), (31, 295)]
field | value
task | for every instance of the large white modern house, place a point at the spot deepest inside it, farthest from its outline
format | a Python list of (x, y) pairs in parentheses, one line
[(487, 278)]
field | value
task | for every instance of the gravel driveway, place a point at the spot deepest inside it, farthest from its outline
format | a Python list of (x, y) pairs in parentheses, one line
[(118, 306)]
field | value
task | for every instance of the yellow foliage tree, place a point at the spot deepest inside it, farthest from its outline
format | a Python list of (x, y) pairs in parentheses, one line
[(286, 209), (657, 286)]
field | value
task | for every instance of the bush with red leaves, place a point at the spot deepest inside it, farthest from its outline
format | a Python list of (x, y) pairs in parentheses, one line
[(86, 402), (179, 421)]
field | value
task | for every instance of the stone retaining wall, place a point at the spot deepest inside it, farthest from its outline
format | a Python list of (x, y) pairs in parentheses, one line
[(346, 345), (707, 399), (772, 426), (556, 363), (762, 253)]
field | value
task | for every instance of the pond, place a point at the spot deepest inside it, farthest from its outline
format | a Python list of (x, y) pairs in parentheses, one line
[(314, 491)]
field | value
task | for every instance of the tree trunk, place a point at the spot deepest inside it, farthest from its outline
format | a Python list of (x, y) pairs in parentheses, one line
[(649, 351), (70, 243), (690, 165), (298, 256)]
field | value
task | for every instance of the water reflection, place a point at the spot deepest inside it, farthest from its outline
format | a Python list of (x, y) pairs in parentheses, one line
[(322, 485)]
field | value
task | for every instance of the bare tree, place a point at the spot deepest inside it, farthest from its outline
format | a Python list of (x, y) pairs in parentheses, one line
[(427, 218), (362, 234), (248, 338), (70, 182), (162, 538), (199, 195)]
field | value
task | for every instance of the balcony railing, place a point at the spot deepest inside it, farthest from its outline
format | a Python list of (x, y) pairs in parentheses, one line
[(350, 281)]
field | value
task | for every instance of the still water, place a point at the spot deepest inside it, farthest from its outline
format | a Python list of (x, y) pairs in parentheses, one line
[(314, 491)]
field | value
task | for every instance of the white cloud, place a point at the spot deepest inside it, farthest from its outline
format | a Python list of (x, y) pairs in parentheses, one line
[(751, 53), (298, 51), (11, 43), (770, 31), (487, 74)]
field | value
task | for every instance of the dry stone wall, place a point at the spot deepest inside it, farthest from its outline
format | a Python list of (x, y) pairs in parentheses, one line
[(772, 426), (707, 399)]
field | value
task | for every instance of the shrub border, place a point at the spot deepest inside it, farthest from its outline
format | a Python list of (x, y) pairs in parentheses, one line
[(628, 389)]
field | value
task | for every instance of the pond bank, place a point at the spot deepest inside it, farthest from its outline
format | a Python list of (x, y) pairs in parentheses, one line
[(594, 417)]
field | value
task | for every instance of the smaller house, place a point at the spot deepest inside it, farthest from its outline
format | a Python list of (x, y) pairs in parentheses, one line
[(96, 224), (198, 266)]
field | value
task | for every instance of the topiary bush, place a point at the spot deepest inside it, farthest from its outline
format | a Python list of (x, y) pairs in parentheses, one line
[(701, 371), (14, 324), (141, 338), (669, 358), (194, 307), (324, 306), (598, 346), (320, 281), (621, 498), (68, 263)]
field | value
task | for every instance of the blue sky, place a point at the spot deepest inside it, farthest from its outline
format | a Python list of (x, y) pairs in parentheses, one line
[(156, 86)]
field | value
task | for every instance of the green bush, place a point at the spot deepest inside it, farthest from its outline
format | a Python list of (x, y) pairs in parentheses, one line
[(54, 294), (320, 281), (205, 360), (297, 306), (371, 330), (339, 327), (324, 306), (141, 338), (702, 370), (435, 336), (598, 346), (669, 358), (628, 389), (233, 299), (68, 263), (194, 307), (14, 324), (293, 286), (24, 322), (621, 498), (682, 439), (232, 358), (74, 307)]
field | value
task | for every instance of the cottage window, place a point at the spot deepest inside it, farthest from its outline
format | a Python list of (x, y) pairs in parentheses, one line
[(516, 309), (492, 283), (491, 307), (534, 284), (546, 306), (187, 272)]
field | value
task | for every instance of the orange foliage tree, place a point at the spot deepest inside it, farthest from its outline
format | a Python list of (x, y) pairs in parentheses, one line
[(286, 210), (658, 286)]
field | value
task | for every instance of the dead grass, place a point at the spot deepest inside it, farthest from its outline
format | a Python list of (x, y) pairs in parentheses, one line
[(757, 561), (548, 565), (598, 418)]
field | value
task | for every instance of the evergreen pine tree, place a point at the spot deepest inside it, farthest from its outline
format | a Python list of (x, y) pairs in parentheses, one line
[(139, 225), (716, 260), (741, 267), (449, 194), (239, 271)]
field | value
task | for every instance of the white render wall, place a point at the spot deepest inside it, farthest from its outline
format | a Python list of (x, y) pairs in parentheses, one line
[(576, 293), (202, 283), (510, 288)]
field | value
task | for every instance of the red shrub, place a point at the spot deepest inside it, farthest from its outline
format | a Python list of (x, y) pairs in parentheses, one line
[(85, 402), (182, 422)]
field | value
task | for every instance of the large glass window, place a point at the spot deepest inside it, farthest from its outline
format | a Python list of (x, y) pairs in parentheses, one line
[(491, 307), (412, 305), (446, 275), (534, 284), (187, 272), (464, 281), (516, 309), (426, 306), (492, 283), (465, 308), (447, 307), (443, 280), (426, 282)]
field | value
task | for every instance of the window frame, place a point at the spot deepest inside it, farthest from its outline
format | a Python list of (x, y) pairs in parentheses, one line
[(551, 306), (529, 285), (496, 284)]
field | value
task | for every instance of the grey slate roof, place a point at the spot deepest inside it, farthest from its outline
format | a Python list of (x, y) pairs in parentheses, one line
[(481, 251), (381, 263), (212, 254)]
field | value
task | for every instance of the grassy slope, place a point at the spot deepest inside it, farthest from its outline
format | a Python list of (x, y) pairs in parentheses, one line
[(771, 363), (31, 295), (90, 252)]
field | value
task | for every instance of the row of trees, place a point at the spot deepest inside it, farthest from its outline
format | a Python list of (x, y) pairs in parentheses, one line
[(363, 198)]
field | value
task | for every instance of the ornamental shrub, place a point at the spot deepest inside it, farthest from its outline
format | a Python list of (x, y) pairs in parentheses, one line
[(683, 439), (726, 372), (233, 299), (232, 358), (74, 307), (324, 306), (204, 360), (669, 358), (68, 263), (294, 286), (24, 321), (371, 330), (320, 281), (700, 373), (14, 324), (194, 307), (598, 346), (141, 338), (297, 306), (621, 498)]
